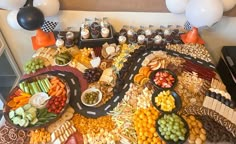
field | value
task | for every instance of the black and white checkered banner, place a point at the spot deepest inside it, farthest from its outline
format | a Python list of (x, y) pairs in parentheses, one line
[(48, 26), (187, 26)]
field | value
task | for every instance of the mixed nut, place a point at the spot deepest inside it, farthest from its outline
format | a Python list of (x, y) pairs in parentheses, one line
[(193, 50)]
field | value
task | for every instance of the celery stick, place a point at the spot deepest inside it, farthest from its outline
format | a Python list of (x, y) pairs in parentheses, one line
[(21, 85), (41, 86), (31, 89), (44, 86), (34, 87), (47, 82), (27, 89), (38, 87)]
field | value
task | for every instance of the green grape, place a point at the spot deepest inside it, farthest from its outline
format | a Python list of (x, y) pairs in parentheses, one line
[(41, 66), (37, 66), (183, 130), (176, 127), (178, 133), (159, 122), (165, 129), (160, 129), (172, 136), (168, 133), (173, 131), (163, 122), (181, 138), (169, 128), (171, 122), (175, 140), (163, 133), (167, 137), (162, 126)]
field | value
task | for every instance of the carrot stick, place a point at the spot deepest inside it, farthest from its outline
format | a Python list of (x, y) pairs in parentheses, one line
[(17, 99), (61, 84), (64, 93), (25, 94), (23, 101), (55, 81), (59, 92), (54, 78), (53, 86), (53, 93), (57, 88)]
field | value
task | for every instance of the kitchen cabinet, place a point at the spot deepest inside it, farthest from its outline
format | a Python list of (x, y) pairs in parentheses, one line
[(9, 71)]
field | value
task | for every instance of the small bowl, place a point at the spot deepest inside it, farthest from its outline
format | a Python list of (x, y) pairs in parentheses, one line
[(171, 141), (152, 75), (62, 64), (178, 102), (39, 95), (88, 91)]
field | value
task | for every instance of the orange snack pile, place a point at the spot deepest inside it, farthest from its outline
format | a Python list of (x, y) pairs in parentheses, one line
[(89, 125), (40, 136), (144, 124)]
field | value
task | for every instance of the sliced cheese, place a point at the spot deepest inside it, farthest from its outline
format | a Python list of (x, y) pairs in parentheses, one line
[(53, 137), (110, 50), (57, 141), (81, 67)]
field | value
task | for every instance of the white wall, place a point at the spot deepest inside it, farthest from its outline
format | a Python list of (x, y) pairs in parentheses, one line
[(19, 41)]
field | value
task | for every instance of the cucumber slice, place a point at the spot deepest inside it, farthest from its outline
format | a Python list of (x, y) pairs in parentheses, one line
[(29, 117), (27, 123), (32, 110), (16, 120), (22, 122), (24, 115), (11, 114), (19, 111), (33, 122), (27, 107)]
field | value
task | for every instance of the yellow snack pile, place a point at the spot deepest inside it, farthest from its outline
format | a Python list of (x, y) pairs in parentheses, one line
[(40, 136), (165, 100)]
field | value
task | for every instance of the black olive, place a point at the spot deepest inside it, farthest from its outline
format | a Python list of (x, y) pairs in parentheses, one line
[(227, 102), (208, 93), (218, 97), (213, 94), (222, 99), (232, 104)]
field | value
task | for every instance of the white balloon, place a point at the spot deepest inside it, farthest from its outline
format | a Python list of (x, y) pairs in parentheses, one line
[(48, 7), (204, 12), (176, 6), (12, 20), (12, 4), (228, 4)]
